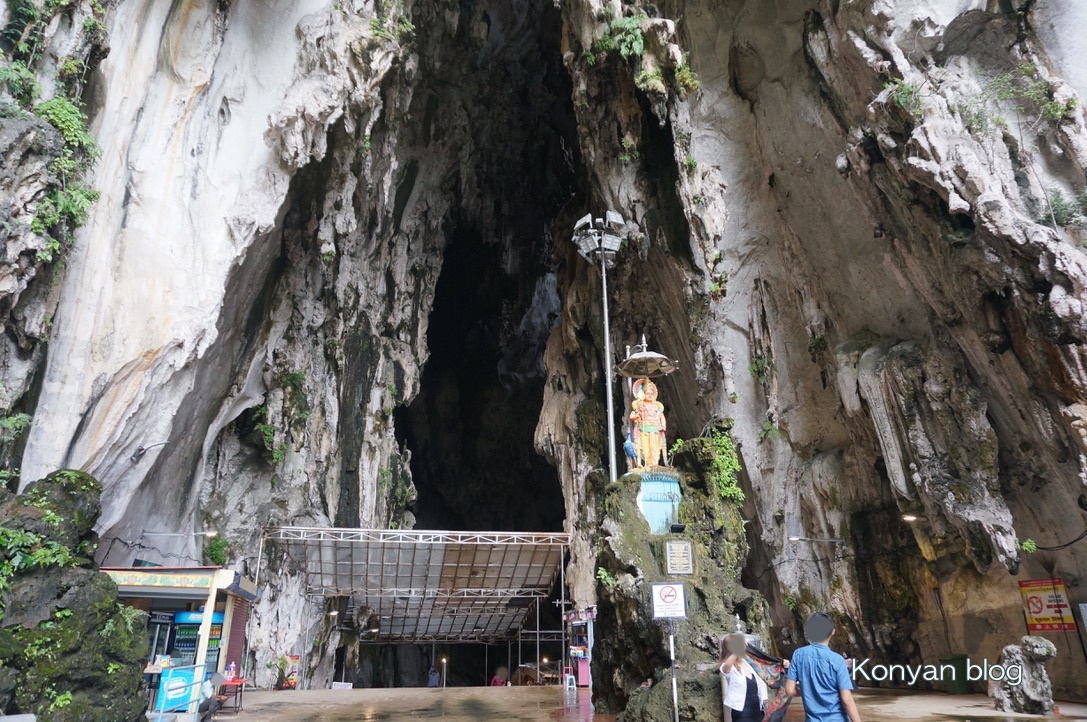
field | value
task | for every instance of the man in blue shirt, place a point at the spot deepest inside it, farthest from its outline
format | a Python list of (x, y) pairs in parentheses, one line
[(820, 677)]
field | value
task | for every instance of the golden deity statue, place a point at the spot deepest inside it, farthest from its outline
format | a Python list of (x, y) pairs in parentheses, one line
[(647, 416)]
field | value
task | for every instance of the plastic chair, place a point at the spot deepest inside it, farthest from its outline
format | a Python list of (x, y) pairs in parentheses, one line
[(569, 681)]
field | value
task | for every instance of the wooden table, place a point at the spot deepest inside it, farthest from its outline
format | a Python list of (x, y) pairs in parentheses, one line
[(234, 690)]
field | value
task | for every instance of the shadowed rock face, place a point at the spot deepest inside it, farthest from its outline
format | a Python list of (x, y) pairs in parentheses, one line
[(845, 235), (492, 85)]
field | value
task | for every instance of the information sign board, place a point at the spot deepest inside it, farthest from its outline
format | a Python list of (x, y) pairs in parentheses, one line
[(678, 557), (1045, 603), (668, 601)]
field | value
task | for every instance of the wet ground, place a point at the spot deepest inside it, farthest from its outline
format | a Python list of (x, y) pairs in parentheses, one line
[(551, 704), (894, 705), (455, 704)]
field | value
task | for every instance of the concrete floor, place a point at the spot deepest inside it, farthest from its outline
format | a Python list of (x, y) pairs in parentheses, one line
[(455, 704), (551, 704)]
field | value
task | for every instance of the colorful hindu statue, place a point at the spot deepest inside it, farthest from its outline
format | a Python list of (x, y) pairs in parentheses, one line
[(647, 416)]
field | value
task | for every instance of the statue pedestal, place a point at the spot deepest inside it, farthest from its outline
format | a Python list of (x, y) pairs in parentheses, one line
[(659, 498)]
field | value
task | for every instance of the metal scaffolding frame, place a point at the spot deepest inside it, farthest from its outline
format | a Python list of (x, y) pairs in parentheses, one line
[(544, 635), (417, 536), (430, 586)]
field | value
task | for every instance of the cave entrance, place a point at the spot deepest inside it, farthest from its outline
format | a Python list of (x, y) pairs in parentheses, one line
[(494, 81), (470, 428)]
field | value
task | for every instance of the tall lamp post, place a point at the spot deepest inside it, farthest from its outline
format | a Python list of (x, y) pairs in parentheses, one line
[(597, 241)]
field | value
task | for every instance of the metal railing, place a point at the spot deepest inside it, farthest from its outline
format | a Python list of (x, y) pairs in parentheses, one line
[(193, 688)]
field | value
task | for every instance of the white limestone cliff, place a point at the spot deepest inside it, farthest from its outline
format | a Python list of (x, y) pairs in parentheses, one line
[(284, 183)]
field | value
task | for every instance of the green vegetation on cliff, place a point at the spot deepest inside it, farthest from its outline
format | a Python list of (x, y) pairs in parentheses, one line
[(217, 551), (631, 647), (67, 200), (69, 650), (66, 205), (718, 453), (623, 36)]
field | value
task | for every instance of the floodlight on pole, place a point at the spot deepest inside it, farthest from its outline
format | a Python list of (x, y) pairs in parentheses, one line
[(795, 532), (141, 450), (597, 240)]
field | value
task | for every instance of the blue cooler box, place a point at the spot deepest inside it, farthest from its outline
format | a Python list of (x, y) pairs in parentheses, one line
[(174, 690)]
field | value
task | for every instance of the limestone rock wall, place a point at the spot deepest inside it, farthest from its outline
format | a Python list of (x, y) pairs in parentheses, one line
[(204, 116), (876, 290), (48, 52), (844, 231), (279, 184)]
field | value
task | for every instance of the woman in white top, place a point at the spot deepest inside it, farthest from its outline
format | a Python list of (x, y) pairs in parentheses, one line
[(745, 692)]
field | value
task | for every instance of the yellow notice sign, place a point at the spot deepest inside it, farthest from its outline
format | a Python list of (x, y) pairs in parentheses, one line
[(1045, 602)]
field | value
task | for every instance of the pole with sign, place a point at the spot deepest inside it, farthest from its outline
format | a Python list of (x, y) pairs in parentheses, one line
[(669, 604)]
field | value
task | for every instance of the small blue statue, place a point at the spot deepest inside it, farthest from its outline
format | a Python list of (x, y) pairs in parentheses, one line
[(631, 453)]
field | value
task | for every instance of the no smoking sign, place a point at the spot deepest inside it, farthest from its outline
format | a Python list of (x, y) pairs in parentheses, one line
[(668, 601)]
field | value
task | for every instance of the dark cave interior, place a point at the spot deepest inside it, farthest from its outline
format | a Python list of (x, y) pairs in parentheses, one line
[(470, 427)]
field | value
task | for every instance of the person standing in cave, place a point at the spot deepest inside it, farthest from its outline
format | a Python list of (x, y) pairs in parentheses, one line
[(820, 677), (650, 425), (745, 693)]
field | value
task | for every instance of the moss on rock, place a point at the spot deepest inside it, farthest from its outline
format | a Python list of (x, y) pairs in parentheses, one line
[(590, 422), (631, 648), (69, 650)]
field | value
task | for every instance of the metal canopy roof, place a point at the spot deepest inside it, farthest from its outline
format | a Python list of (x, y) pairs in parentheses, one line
[(430, 586)]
